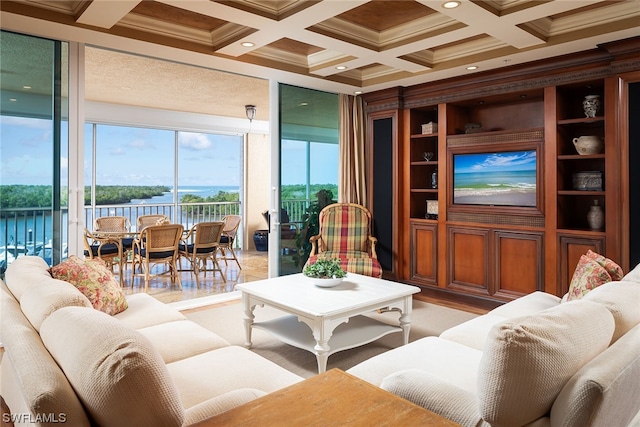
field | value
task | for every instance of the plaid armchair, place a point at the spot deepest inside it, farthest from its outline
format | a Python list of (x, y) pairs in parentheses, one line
[(345, 233)]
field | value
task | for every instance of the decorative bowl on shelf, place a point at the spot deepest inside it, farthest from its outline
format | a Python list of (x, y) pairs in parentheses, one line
[(325, 272)]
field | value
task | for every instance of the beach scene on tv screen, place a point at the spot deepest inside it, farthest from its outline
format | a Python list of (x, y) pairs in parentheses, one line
[(501, 179)]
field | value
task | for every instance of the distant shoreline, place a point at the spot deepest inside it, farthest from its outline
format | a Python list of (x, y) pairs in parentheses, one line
[(502, 197)]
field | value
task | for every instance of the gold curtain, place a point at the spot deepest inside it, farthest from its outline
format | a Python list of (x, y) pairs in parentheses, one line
[(352, 172)]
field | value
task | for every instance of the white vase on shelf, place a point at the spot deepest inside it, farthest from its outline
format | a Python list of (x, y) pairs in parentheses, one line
[(595, 217)]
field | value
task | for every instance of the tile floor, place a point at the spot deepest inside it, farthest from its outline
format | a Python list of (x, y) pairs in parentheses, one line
[(254, 267)]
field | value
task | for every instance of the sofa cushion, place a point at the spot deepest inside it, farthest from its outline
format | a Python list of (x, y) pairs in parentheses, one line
[(528, 360), (436, 395), (94, 280), (473, 333), (39, 301), (31, 380), (144, 310), (622, 299), (249, 371), (219, 404), (528, 304), (180, 339), (633, 275), (605, 389), (588, 275), (115, 371), (448, 360), (24, 272)]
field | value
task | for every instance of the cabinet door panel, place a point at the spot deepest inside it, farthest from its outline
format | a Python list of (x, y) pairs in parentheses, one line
[(519, 264), (571, 249), (423, 255), (468, 260)]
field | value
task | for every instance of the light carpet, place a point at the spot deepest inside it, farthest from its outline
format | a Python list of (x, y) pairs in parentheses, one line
[(426, 320)]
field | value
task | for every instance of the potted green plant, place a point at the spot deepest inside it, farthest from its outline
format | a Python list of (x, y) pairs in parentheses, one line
[(327, 272), (311, 226)]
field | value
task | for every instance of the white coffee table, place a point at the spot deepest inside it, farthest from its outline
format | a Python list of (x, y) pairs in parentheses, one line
[(335, 315)]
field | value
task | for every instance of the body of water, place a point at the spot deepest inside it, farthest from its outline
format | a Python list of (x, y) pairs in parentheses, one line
[(36, 230), (495, 180), (203, 191)]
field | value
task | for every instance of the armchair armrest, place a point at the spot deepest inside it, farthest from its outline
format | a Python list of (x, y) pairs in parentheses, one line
[(314, 244), (436, 395), (372, 245)]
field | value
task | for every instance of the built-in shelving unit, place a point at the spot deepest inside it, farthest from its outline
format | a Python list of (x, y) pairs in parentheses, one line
[(423, 162), (487, 252), (575, 199)]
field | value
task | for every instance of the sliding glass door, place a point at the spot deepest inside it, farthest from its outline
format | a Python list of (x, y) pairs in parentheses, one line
[(34, 148), (308, 167)]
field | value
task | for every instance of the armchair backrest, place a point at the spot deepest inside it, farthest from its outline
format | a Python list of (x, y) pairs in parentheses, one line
[(112, 224), (345, 227)]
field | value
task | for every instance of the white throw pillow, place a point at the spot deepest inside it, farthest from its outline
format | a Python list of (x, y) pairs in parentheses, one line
[(117, 374), (527, 360), (622, 299)]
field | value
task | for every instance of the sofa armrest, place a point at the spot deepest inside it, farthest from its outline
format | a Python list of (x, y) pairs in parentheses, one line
[(219, 404), (436, 395)]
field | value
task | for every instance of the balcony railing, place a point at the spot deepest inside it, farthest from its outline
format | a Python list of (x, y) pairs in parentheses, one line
[(29, 231)]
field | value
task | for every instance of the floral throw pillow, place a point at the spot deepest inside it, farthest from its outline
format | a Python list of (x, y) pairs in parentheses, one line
[(589, 274), (614, 270), (94, 280)]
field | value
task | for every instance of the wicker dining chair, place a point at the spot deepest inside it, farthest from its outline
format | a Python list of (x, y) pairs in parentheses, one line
[(157, 245), (200, 245), (153, 219), (107, 249), (231, 225), (115, 224)]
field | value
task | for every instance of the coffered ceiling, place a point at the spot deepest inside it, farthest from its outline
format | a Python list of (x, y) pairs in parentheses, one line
[(337, 45)]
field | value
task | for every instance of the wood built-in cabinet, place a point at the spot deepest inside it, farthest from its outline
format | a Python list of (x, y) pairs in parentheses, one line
[(454, 242)]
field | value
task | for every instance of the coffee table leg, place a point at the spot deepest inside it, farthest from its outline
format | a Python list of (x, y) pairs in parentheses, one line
[(405, 319), (322, 354), (248, 319)]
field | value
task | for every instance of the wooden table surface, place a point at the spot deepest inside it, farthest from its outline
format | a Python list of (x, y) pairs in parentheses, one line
[(334, 398)]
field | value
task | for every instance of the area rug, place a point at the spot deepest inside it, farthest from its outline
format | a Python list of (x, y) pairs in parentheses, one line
[(427, 320)]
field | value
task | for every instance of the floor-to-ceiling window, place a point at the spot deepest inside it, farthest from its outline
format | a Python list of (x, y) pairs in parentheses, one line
[(187, 176), (33, 148), (309, 154)]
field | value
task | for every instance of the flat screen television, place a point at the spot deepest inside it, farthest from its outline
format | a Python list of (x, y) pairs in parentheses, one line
[(499, 178)]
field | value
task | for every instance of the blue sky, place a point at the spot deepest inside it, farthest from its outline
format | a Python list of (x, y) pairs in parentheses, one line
[(496, 162), (141, 156)]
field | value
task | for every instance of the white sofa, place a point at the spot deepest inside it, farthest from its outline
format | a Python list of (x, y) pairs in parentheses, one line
[(535, 361), (65, 361)]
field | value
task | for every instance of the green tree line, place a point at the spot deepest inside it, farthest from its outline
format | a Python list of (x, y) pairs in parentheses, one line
[(41, 196)]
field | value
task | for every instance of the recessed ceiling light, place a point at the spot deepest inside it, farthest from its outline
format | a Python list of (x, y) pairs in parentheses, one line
[(13, 99), (451, 4), (341, 67), (472, 67), (358, 92), (304, 104), (26, 87), (248, 44)]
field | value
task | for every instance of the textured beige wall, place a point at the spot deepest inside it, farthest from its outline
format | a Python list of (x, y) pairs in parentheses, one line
[(258, 161)]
